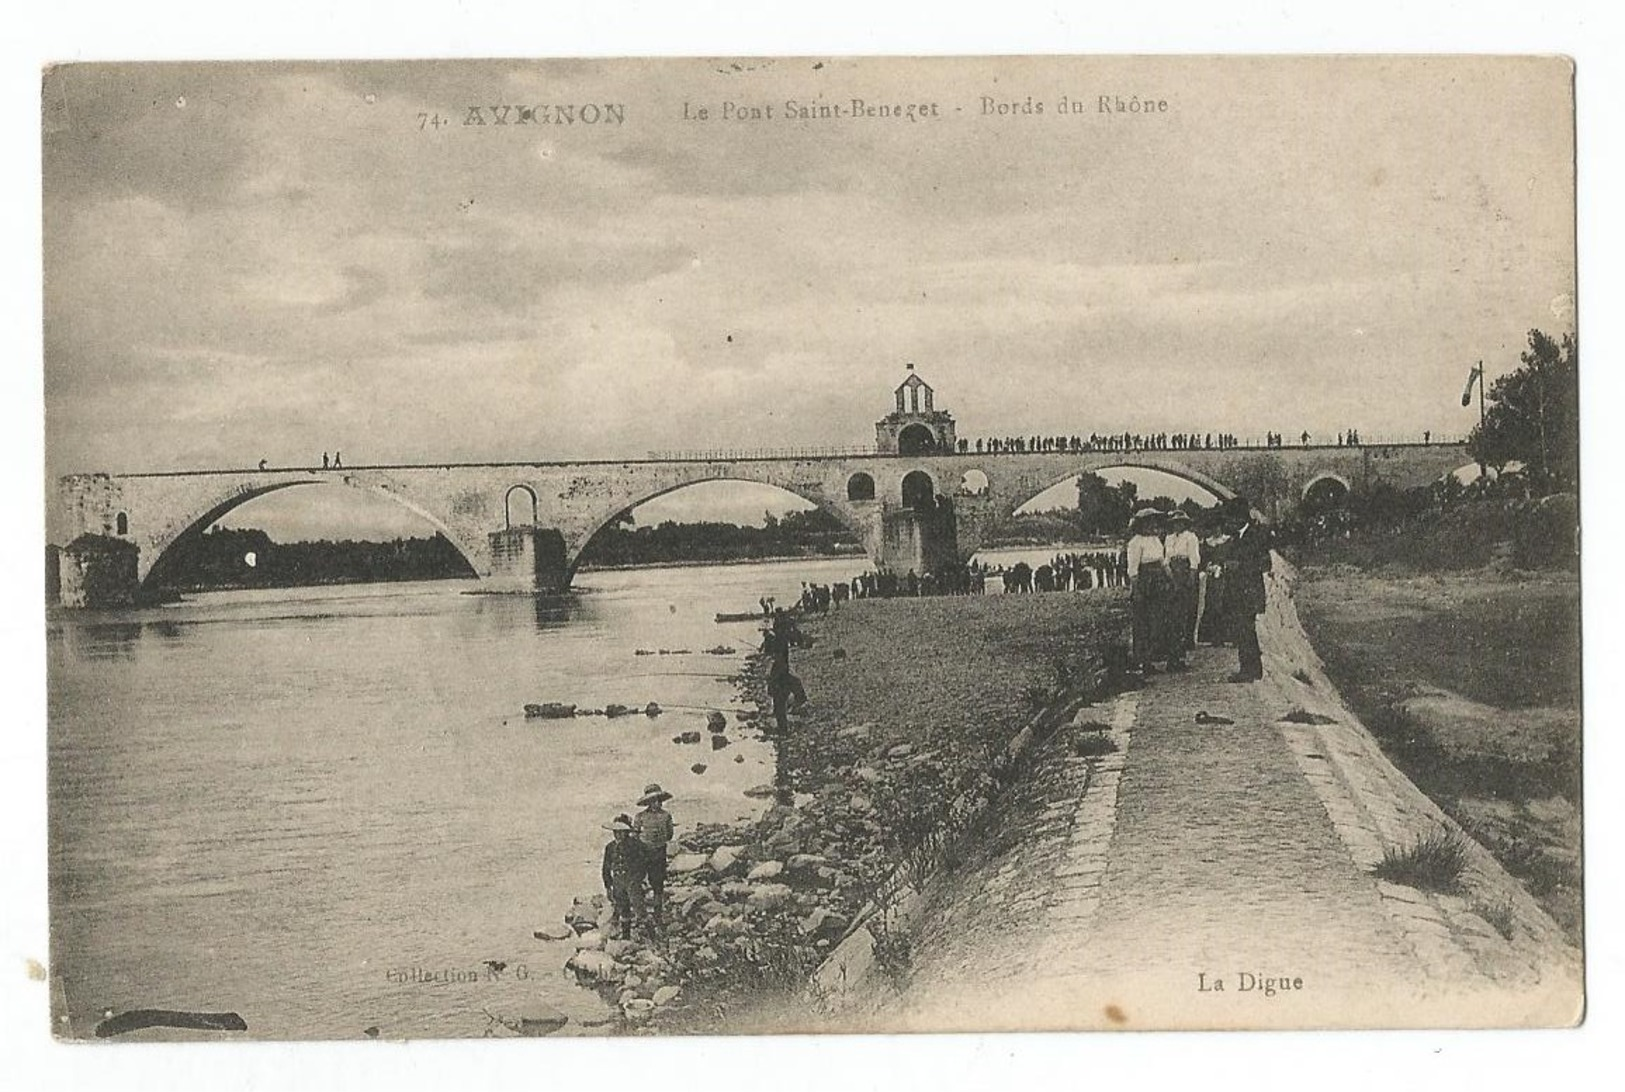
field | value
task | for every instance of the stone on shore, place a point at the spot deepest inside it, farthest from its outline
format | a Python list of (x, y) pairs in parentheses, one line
[(665, 995), (822, 922), (803, 862), (767, 870), (761, 792), (687, 862), (724, 858), (594, 966), (554, 932), (769, 896)]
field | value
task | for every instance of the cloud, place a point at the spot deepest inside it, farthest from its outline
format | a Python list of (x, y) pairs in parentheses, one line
[(290, 261)]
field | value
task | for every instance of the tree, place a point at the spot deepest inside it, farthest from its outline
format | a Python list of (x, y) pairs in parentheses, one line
[(1104, 509), (1533, 415)]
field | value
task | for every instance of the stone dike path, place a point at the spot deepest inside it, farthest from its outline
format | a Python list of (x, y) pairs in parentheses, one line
[(1212, 867)]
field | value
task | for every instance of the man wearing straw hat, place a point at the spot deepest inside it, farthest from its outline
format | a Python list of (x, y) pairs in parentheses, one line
[(624, 868), (654, 828)]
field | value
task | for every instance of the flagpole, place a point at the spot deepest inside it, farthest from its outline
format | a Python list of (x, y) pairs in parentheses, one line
[(1482, 471)]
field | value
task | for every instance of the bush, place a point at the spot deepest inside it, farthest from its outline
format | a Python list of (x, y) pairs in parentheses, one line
[(1434, 862)]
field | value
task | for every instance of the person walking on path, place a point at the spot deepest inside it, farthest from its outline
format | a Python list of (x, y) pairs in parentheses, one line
[(1148, 587), (1246, 563), (623, 874), (1184, 552), (655, 829)]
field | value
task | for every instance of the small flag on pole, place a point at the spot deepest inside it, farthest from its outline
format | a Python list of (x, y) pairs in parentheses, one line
[(1475, 375)]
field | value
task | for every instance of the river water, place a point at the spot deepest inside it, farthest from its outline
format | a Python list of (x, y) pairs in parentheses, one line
[(323, 808)]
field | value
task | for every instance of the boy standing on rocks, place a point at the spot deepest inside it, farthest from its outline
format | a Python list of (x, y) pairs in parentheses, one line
[(624, 868), (654, 828)]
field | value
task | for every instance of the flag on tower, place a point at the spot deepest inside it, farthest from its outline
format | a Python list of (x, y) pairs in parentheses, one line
[(1475, 375)]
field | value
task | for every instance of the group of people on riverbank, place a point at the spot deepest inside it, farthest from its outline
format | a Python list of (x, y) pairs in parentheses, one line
[(635, 862), (1184, 589)]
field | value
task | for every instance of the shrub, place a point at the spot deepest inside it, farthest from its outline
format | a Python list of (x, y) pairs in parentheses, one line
[(1092, 745), (1500, 916), (1434, 862)]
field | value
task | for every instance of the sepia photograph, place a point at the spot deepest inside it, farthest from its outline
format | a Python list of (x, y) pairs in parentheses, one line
[(816, 545)]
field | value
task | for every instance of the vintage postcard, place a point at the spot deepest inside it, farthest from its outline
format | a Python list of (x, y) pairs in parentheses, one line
[(811, 544)]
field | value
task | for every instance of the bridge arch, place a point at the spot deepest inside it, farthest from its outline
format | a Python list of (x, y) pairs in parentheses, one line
[(919, 490), (1327, 483), (158, 551), (916, 439), (1212, 485), (860, 487), (577, 544), (507, 505)]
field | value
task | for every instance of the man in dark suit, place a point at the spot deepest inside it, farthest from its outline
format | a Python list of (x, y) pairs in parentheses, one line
[(1246, 562)]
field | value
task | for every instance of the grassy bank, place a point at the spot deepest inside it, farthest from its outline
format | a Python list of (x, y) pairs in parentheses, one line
[(909, 701), (1470, 680)]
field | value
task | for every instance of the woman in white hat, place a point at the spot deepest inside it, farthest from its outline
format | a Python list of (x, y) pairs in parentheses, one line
[(1149, 586)]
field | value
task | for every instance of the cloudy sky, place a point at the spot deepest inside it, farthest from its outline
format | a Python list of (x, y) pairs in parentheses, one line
[(248, 262)]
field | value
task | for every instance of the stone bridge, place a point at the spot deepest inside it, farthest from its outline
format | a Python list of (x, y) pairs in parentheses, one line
[(523, 526)]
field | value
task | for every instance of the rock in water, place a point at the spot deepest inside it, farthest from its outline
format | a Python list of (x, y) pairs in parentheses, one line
[(554, 932), (698, 767), (718, 742), (539, 1019), (137, 1019), (550, 710), (761, 792), (652, 709), (615, 709), (739, 758), (716, 721)]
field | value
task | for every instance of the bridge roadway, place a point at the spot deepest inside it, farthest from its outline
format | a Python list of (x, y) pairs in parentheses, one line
[(523, 525)]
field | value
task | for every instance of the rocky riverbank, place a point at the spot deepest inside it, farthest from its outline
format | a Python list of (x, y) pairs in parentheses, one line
[(913, 703)]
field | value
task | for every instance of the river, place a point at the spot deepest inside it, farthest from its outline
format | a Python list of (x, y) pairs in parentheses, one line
[(324, 809)]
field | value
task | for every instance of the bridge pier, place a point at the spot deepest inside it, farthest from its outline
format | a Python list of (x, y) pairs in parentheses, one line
[(528, 560), (922, 540), (94, 572)]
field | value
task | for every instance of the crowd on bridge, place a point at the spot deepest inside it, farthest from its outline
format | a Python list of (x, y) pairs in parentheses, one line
[(1117, 441), (1137, 442)]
